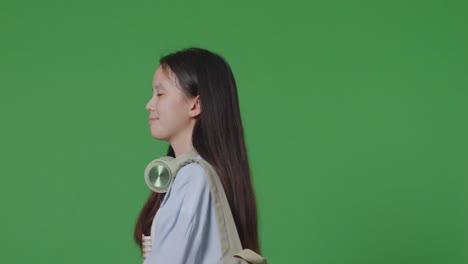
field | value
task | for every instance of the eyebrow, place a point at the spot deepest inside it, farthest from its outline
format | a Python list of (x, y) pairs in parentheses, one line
[(159, 86)]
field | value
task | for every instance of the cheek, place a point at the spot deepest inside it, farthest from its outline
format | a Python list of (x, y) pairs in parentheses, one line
[(161, 108), (166, 113), (174, 118), (170, 110)]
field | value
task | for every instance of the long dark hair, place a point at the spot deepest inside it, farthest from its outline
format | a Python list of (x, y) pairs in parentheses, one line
[(217, 136)]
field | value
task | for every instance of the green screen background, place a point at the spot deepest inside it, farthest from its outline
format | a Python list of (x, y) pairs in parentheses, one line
[(355, 116)]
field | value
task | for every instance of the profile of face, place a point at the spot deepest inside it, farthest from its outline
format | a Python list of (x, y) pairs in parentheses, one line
[(172, 114)]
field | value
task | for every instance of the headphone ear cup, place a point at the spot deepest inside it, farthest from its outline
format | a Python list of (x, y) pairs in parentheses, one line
[(158, 174)]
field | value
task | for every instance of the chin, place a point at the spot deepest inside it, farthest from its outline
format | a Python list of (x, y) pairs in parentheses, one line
[(157, 136)]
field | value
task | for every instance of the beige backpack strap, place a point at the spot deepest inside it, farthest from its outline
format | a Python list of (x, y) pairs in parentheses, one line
[(230, 242), (251, 256)]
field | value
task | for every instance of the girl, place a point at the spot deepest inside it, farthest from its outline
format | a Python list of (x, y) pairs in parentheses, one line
[(195, 106)]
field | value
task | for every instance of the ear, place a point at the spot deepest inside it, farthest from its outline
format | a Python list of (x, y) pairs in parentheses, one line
[(195, 107)]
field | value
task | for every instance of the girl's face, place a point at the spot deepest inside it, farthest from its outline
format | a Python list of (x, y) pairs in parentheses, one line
[(171, 113)]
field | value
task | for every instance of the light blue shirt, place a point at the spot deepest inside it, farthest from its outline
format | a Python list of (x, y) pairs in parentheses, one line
[(185, 228)]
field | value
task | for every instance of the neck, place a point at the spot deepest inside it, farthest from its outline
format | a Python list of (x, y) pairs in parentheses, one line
[(182, 142), (181, 147)]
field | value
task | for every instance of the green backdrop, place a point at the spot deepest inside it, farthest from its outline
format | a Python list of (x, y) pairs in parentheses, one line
[(355, 116)]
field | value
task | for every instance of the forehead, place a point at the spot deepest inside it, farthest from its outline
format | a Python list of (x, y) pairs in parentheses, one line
[(161, 80)]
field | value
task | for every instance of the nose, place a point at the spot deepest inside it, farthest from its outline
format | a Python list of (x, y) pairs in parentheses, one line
[(150, 105)]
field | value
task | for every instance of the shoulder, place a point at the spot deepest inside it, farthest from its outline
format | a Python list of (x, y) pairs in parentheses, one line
[(191, 184), (193, 172), (192, 176), (189, 196)]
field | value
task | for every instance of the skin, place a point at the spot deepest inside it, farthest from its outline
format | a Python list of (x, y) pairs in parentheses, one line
[(175, 113)]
